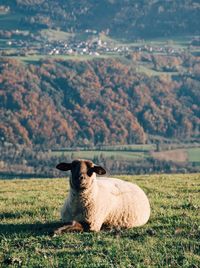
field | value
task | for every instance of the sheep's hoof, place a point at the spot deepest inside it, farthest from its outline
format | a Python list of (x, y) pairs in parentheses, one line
[(71, 227)]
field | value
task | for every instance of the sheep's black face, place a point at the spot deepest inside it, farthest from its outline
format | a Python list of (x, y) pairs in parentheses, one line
[(83, 173), (80, 178)]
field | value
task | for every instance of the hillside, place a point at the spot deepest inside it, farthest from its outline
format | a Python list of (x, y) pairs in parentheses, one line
[(100, 101), (29, 211), (122, 19)]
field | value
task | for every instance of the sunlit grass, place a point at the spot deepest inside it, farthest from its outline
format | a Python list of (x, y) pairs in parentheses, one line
[(29, 211)]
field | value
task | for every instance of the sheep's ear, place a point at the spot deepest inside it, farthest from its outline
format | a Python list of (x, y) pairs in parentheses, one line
[(64, 166), (99, 170)]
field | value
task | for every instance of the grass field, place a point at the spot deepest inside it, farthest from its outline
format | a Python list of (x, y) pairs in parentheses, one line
[(135, 152), (130, 147), (194, 154), (29, 211), (53, 35), (141, 68), (106, 154), (34, 59)]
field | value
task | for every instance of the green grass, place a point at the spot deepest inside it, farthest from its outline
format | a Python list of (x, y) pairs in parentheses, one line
[(131, 147), (141, 68), (125, 155), (130, 153), (29, 210), (173, 41), (36, 58), (194, 154), (55, 35)]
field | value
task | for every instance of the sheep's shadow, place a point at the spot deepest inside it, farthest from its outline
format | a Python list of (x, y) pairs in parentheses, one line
[(37, 229)]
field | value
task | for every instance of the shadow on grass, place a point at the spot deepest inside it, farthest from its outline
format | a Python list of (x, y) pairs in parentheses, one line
[(37, 229), (16, 215)]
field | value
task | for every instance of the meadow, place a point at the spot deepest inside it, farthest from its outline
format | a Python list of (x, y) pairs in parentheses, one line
[(29, 212), (135, 152)]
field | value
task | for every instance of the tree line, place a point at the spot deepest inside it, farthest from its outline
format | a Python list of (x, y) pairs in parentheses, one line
[(127, 18)]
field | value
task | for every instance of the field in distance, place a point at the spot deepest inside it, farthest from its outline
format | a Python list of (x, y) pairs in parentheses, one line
[(176, 153), (29, 211)]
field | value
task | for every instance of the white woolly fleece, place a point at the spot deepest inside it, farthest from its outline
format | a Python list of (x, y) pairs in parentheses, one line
[(108, 201)]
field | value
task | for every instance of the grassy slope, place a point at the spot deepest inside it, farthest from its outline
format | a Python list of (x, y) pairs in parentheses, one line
[(29, 209)]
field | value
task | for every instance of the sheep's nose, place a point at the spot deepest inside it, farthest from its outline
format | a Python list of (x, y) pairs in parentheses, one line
[(81, 177)]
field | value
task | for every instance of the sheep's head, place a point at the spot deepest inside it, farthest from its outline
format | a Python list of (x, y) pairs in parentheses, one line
[(83, 173)]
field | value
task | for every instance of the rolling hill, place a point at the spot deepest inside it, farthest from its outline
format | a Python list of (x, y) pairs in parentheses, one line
[(99, 101)]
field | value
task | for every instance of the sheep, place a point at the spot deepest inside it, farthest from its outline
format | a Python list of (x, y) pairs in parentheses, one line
[(93, 203)]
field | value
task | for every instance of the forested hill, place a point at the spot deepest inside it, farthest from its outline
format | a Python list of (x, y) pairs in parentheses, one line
[(121, 18), (101, 101)]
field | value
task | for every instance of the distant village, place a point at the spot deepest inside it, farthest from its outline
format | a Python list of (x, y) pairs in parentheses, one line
[(97, 47), (18, 43), (25, 43)]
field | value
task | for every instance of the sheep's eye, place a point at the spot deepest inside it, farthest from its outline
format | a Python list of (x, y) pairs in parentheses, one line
[(89, 172)]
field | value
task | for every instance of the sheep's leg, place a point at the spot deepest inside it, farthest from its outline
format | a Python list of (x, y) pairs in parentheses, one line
[(73, 226), (95, 226)]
